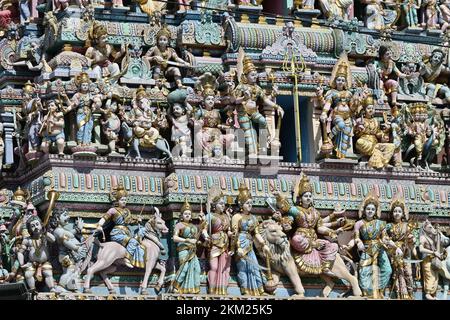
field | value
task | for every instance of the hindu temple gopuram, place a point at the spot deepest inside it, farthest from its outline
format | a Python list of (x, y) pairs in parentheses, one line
[(248, 149)]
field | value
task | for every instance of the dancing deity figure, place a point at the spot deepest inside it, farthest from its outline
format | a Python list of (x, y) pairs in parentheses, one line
[(33, 113)]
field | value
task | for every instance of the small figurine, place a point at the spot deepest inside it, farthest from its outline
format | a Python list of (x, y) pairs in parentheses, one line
[(410, 8), (248, 97), (369, 135), (431, 69), (111, 123), (208, 133), (431, 16), (70, 250)]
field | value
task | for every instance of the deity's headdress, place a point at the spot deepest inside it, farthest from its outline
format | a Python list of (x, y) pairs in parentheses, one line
[(368, 100), (399, 201), (342, 69), (304, 185), (28, 87), (20, 197), (82, 78), (244, 194), (186, 206), (118, 192), (207, 84), (95, 32), (371, 198), (164, 31), (141, 92), (418, 108)]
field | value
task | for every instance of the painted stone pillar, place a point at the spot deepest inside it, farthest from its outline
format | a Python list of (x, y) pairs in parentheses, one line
[(8, 130)]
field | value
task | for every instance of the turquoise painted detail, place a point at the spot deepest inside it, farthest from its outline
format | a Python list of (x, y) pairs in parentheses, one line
[(102, 182), (235, 183), (341, 189), (76, 181), (388, 192), (152, 184), (259, 184), (412, 192)]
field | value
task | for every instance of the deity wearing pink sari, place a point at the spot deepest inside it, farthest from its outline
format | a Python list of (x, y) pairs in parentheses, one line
[(218, 231)]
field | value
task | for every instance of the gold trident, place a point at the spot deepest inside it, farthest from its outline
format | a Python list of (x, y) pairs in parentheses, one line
[(295, 65)]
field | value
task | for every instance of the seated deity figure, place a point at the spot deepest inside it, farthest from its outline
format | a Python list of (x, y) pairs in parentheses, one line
[(121, 233), (101, 55), (164, 59), (209, 127)]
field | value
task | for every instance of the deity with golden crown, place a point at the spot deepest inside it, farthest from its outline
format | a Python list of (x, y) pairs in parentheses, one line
[(370, 237), (164, 59), (401, 246), (342, 105), (370, 135)]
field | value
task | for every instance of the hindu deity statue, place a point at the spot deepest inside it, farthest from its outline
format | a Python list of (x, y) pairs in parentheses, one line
[(248, 97), (185, 235), (369, 135), (335, 9), (432, 247), (33, 255), (141, 126), (70, 250), (304, 4), (312, 254), (33, 109), (180, 117), (431, 16), (370, 238), (431, 69), (208, 133), (85, 103), (121, 233), (52, 129), (218, 232), (164, 59), (423, 136), (410, 8), (246, 231), (401, 246), (344, 105), (378, 16), (17, 228), (445, 14), (111, 123), (389, 74), (102, 56)]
